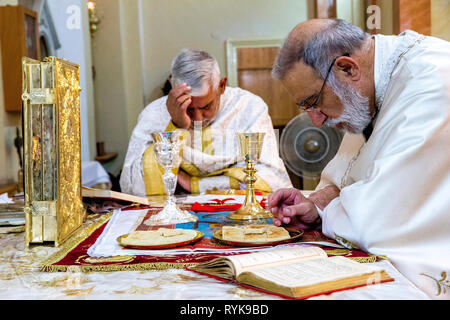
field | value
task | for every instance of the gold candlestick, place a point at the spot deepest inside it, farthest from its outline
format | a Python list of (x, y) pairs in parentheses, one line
[(250, 145)]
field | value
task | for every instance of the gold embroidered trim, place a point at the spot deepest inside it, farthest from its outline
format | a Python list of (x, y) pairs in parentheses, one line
[(195, 188), (171, 126), (207, 145), (152, 172), (112, 268), (344, 242), (364, 259), (190, 168), (347, 252), (442, 284)]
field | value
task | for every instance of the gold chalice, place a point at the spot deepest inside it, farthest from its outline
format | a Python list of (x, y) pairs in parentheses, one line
[(250, 145)]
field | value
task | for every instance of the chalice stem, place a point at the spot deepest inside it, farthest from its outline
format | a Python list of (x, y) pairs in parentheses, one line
[(250, 181), (170, 184)]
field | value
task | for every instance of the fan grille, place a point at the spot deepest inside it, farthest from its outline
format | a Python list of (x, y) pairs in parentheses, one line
[(306, 149)]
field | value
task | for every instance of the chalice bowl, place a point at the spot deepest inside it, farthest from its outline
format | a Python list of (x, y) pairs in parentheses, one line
[(168, 148), (250, 146)]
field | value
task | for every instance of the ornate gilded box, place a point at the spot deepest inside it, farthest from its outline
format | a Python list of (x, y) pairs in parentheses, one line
[(52, 150)]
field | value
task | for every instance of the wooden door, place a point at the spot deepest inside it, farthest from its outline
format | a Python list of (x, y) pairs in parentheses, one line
[(325, 9), (413, 15), (254, 68), (19, 37)]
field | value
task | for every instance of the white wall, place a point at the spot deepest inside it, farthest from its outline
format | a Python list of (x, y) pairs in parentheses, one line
[(352, 11), (116, 51), (440, 19), (169, 26), (75, 47), (9, 2)]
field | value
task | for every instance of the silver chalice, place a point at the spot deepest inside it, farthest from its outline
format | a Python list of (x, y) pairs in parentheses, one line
[(168, 148)]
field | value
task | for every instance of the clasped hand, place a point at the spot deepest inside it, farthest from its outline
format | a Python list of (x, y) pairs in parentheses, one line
[(291, 207)]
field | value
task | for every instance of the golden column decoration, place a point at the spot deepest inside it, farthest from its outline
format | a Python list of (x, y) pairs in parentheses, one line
[(94, 20), (52, 150)]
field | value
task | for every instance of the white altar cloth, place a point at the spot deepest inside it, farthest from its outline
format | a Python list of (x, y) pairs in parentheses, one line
[(21, 279)]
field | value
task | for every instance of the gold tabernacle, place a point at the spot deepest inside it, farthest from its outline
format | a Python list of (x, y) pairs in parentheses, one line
[(250, 145), (52, 150)]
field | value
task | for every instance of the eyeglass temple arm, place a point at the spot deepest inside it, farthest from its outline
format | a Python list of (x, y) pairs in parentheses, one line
[(329, 70)]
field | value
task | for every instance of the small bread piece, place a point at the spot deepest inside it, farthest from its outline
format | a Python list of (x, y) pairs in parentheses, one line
[(254, 233), (138, 237), (165, 232), (277, 233), (255, 237), (156, 237), (232, 233), (255, 229)]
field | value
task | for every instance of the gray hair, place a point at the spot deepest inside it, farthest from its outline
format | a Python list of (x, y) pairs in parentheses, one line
[(337, 38), (198, 69)]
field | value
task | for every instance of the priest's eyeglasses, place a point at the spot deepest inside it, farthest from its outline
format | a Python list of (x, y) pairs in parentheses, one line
[(311, 102)]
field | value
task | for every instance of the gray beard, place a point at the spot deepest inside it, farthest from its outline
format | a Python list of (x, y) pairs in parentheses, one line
[(356, 115)]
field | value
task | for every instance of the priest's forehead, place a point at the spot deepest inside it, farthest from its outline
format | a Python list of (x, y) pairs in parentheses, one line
[(199, 102), (302, 81)]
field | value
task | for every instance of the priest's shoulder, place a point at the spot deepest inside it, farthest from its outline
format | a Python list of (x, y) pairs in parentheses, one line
[(157, 106), (430, 59)]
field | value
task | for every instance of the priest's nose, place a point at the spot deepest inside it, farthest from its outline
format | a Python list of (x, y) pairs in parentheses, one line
[(197, 115), (317, 117)]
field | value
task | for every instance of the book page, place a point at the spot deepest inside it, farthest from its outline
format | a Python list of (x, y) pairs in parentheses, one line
[(314, 271), (274, 257)]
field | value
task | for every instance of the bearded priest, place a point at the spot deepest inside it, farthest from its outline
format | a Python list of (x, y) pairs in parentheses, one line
[(213, 113), (387, 191)]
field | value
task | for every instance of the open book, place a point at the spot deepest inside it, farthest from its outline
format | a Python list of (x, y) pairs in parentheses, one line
[(293, 272), (112, 195)]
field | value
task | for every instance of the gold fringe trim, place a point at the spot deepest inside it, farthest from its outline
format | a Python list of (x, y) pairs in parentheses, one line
[(72, 242), (365, 259), (112, 268)]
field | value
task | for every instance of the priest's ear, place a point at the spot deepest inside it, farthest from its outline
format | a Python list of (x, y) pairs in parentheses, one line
[(222, 85), (348, 69)]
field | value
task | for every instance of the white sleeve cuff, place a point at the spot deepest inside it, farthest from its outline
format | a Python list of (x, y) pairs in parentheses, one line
[(320, 211), (327, 228)]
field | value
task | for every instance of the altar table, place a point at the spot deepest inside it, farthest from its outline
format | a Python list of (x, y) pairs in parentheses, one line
[(21, 278)]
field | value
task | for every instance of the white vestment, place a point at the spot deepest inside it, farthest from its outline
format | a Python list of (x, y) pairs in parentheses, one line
[(239, 111), (395, 188)]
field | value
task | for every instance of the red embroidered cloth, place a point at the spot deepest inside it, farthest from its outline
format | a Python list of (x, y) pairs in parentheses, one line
[(74, 256)]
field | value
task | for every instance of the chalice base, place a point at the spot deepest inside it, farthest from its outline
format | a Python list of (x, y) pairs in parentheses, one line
[(171, 214), (252, 211)]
